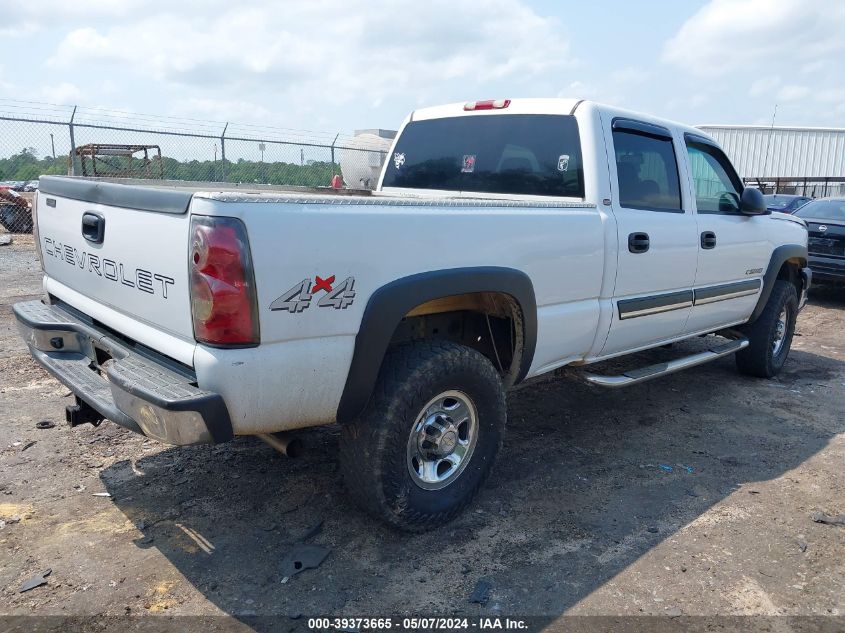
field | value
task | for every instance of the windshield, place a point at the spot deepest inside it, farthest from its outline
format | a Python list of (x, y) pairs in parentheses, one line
[(829, 209), (775, 202), (526, 154)]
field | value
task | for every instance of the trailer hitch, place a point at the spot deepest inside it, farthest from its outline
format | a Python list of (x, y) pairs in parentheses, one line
[(82, 413)]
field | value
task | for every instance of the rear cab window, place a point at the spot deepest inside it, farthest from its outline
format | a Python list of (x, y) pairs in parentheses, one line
[(519, 154), (646, 167)]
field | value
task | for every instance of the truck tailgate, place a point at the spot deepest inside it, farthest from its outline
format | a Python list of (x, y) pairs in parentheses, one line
[(140, 266)]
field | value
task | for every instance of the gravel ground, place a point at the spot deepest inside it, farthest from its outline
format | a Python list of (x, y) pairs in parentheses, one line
[(688, 496)]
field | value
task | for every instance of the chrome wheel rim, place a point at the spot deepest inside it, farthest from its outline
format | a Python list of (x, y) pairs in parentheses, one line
[(780, 331), (442, 440)]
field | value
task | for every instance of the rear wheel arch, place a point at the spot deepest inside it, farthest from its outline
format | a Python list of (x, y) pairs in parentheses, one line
[(392, 303)]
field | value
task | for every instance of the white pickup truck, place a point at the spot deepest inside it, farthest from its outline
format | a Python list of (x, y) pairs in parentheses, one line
[(506, 239)]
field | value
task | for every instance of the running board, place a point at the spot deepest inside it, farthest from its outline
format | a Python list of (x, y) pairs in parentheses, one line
[(661, 369)]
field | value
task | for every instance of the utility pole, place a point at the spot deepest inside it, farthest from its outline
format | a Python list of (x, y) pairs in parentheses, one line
[(262, 169), (72, 144), (223, 151), (53, 145)]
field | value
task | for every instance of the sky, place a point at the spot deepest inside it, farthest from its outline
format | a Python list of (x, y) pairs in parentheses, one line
[(336, 66)]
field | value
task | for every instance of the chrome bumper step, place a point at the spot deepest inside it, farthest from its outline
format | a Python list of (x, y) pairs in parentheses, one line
[(642, 374), (123, 383)]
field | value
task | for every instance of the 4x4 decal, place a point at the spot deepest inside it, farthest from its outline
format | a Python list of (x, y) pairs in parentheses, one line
[(298, 298)]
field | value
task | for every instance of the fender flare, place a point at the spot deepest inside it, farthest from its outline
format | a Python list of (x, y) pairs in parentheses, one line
[(389, 304), (779, 256)]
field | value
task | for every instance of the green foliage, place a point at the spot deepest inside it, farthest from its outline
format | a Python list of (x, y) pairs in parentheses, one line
[(315, 174), (26, 166)]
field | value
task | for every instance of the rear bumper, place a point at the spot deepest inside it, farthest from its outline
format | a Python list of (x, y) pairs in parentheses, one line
[(133, 389)]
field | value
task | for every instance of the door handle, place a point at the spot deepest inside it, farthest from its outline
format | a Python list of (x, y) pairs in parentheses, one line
[(638, 243), (708, 240)]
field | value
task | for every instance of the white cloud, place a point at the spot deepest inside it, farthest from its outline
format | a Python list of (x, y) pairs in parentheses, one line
[(5, 86), (764, 86), (785, 52), (310, 52), (17, 30), (686, 102), (815, 66), (834, 94), (579, 90), (63, 93), (630, 75), (793, 93), (337, 65), (757, 35), (221, 109)]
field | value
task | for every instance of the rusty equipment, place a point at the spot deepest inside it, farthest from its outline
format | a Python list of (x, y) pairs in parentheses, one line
[(119, 161)]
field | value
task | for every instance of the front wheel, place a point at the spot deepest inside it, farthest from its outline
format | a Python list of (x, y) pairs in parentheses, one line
[(427, 440), (770, 336)]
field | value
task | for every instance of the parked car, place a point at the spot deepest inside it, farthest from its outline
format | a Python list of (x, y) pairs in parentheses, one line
[(825, 220), (32, 185), (506, 239), (785, 203)]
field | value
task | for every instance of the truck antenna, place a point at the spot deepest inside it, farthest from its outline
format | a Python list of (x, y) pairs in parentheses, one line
[(769, 144)]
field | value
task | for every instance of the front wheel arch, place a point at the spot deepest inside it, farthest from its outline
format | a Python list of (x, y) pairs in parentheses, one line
[(783, 259)]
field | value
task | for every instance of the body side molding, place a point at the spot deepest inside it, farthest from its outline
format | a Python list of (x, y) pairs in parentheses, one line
[(712, 294), (643, 306), (390, 303)]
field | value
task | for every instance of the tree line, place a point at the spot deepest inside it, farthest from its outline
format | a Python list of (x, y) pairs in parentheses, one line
[(25, 165)]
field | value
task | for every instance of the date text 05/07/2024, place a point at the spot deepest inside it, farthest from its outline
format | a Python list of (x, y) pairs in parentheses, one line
[(418, 624)]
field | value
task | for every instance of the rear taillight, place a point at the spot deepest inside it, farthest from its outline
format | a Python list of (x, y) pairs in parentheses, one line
[(223, 298), (491, 104)]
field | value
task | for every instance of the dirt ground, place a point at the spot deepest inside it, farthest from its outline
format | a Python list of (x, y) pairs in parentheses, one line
[(692, 495)]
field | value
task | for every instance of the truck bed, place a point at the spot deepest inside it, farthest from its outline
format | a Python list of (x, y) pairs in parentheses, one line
[(86, 189), (204, 185)]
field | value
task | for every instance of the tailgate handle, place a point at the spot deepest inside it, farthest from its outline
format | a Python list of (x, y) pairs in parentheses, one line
[(93, 227)]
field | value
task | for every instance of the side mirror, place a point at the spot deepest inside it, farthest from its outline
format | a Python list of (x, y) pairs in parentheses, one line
[(752, 202)]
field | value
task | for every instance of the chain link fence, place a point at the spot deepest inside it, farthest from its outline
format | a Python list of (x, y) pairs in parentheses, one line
[(812, 187), (41, 139)]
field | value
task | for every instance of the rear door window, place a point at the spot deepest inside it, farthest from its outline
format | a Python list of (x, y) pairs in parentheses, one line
[(523, 154), (647, 172)]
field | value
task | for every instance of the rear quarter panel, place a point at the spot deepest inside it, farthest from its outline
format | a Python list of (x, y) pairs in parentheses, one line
[(296, 377)]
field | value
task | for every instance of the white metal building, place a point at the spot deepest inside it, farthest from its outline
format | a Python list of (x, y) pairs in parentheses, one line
[(786, 159)]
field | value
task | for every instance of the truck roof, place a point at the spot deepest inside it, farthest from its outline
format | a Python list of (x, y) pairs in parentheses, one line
[(543, 106), (516, 106)]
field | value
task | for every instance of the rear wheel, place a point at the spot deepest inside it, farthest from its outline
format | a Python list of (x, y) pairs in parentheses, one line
[(770, 336), (427, 440)]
